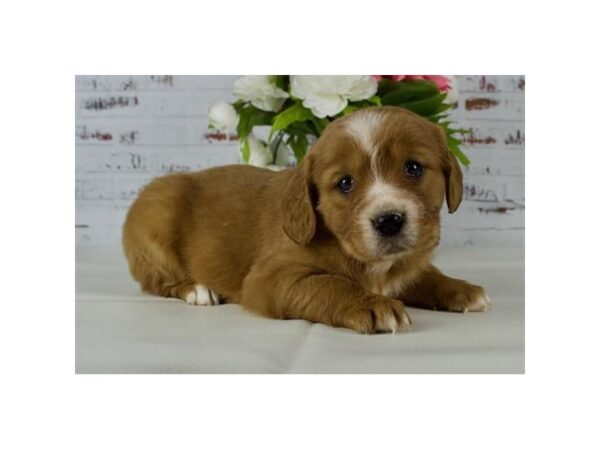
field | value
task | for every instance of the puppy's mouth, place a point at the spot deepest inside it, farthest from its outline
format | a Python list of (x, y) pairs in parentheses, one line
[(383, 251), (388, 249), (382, 243)]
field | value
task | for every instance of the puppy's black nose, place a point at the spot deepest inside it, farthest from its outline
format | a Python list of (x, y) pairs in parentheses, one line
[(388, 224)]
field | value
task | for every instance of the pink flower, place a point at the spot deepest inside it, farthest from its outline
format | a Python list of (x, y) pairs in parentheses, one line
[(442, 82)]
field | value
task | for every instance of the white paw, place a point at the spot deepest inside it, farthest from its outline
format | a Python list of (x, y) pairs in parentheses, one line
[(481, 303), (202, 296)]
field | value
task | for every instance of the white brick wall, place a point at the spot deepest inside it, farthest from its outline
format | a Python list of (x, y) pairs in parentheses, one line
[(129, 129), (493, 208)]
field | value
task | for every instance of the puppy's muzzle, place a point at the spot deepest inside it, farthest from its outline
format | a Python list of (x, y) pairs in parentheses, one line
[(389, 223)]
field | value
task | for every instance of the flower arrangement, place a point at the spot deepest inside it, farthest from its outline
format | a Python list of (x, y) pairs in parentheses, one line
[(293, 111)]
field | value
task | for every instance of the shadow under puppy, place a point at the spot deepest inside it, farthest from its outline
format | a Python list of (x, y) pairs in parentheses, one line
[(345, 239)]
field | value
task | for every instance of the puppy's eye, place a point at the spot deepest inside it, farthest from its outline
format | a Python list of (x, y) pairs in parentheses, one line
[(346, 184), (413, 169)]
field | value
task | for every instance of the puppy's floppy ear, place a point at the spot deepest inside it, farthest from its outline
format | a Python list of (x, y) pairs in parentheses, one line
[(452, 173), (299, 221), (454, 183)]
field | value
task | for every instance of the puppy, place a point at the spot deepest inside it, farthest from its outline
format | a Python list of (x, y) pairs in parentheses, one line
[(344, 239)]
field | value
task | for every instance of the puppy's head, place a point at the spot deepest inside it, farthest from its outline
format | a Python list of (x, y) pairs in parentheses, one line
[(378, 178)]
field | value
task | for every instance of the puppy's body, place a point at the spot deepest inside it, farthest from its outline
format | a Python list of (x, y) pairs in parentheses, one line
[(290, 245), (194, 228)]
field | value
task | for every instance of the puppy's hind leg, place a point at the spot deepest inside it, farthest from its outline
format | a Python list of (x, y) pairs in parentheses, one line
[(156, 268), (159, 272), (166, 282), (152, 223)]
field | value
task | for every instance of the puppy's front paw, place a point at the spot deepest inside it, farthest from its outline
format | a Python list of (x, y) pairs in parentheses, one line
[(378, 314), (460, 296)]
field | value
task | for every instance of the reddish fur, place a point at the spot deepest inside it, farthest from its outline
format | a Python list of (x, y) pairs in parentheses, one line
[(288, 244)]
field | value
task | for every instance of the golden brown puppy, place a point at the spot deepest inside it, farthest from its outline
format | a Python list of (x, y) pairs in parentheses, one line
[(344, 239)]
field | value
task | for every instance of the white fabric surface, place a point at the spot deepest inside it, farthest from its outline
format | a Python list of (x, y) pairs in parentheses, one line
[(122, 330)]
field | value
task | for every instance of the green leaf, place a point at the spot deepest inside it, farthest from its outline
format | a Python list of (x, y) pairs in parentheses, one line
[(349, 110), (425, 108), (295, 113), (386, 85), (360, 104), (301, 128), (320, 124), (410, 91), (245, 150), (238, 105), (315, 131), (250, 117), (444, 106), (436, 118), (282, 82), (454, 144), (456, 151), (375, 100), (299, 145)]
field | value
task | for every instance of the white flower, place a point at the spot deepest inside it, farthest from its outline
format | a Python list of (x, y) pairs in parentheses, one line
[(222, 116), (261, 91), (452, 92), (260, 154), (282, 158), (328, 95)]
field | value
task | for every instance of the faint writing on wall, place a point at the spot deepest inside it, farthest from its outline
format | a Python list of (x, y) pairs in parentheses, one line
[(103, 103)]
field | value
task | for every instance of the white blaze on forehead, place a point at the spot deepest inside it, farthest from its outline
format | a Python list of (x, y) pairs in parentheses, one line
[(363, 127), (381, 191)]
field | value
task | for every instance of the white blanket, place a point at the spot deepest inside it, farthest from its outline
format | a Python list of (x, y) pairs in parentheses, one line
[(122, 330)]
